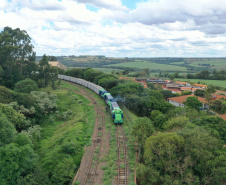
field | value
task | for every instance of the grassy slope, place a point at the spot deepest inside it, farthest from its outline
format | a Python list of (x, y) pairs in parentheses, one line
[(66, 132), (155, 66)]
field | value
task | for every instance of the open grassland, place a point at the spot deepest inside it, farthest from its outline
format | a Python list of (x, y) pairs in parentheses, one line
[(221, 83), (64, 135), (219, 63), (107, 70), (151, 66)]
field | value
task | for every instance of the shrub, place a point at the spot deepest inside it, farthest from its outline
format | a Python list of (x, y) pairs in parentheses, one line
[(26, 86)]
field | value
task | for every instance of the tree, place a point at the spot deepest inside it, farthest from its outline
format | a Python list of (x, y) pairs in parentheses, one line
[(161, 158), (186, 93), (64, 171), (200, 93), (219, 105), (16, 160), (177, 122), (193, 102), (215, 125), (44, 72), (16, 55), (208, 95), (26, 86), (6, 95), (7, 130), (142, 129), (15, 117), (167, 94)]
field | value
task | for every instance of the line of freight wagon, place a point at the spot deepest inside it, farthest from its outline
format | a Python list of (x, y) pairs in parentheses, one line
[(116, 112)]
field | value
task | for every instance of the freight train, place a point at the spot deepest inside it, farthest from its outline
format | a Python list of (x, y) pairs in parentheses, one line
[(116, 112)]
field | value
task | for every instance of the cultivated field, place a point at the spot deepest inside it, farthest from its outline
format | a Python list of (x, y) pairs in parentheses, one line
[(221, 83), (151, 66)]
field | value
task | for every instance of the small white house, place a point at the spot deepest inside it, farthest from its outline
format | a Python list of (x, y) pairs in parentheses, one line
[(178, 101)]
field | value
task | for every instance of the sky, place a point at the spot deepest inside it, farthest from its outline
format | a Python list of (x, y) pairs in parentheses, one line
[(120, 28)]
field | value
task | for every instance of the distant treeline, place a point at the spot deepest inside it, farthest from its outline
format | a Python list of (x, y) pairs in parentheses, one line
[(205, 74)]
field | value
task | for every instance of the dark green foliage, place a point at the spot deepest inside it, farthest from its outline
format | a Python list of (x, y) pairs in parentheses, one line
[(91, 74), (219, 105), (167, 94), (159, 120), (193, 102), (26, 86), (17, 159), (75, 72), (142, 129), (190, 156), (151, 86), (7, 130), (16, 55), (64, 171), (186, 93), (177, 122), (16, 118), (6, 95), (190, 113), (215, 124), (128, 88), (200, 93)]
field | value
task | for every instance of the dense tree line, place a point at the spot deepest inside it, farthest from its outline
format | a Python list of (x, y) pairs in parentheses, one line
[(22, 107)]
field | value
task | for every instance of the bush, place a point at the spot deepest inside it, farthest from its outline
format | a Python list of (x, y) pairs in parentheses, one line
[(26, 86), (5, 95)]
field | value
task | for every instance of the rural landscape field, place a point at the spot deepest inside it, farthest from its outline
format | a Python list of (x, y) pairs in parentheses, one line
[(112, 92)]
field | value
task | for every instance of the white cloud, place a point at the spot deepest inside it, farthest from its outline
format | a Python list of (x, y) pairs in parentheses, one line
[(109, 4), (154, 28)]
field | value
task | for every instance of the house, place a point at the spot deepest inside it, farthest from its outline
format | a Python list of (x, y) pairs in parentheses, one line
[(178, 101), (200, 85), (183, 83), (57, 64)]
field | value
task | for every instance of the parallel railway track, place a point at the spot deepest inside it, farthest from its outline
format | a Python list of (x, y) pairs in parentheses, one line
[(122, 161)]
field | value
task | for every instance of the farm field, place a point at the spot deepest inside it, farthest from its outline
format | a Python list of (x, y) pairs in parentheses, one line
[(221, 83), (107, 70), (218, 63), (151, 66)]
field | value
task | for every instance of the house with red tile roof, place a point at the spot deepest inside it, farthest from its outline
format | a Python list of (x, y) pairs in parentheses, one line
[(179, 101), (223, 116)]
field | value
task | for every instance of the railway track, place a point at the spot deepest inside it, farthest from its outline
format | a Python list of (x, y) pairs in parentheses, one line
[(122, 163), (90, 174)]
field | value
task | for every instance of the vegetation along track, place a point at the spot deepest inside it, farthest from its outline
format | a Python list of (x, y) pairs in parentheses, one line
[(122, 161), (87, 174)]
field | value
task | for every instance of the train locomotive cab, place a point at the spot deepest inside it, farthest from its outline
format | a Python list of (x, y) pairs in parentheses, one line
[(116, 112)]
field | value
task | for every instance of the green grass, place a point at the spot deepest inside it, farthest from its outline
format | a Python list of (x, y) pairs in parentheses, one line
[(221, 83), (65, 138), (107, 70), (217, 62), (68, 86), (151, 66)]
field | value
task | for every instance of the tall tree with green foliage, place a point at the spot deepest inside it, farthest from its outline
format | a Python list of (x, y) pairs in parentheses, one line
[(208, 95), (16, 55), (44, 72)]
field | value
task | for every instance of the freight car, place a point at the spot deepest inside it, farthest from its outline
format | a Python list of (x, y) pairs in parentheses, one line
[(116, 112)]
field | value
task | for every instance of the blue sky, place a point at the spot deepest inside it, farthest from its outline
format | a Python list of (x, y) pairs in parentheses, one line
[(121, 28)]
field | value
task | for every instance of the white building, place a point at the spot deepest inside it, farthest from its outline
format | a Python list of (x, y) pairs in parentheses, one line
[(178, 101)]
